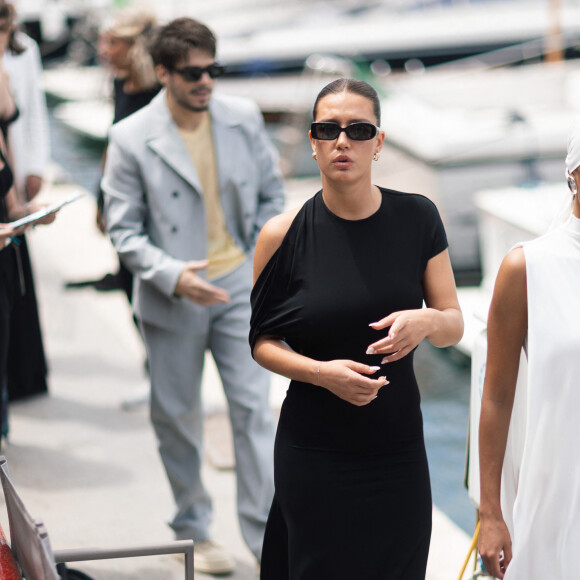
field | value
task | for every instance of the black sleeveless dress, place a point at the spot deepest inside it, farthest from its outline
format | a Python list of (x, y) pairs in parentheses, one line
[(353, 497), (8, 291)]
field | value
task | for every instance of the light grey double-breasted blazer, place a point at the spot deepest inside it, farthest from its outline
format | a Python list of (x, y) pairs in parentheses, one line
[(154, 207)]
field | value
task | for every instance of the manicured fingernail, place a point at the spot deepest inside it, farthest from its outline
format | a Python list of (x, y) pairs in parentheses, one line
[(385, 360), (371, 324), (371, 350), (375, 369)]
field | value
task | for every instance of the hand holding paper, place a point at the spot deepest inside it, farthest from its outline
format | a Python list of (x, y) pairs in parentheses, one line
[(6, 231), (46, 214)]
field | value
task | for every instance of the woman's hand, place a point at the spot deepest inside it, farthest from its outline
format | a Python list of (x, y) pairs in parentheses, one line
[(407, 329), (6, 232), (29, 208), (47, 219), (495, 546), (346, 379)]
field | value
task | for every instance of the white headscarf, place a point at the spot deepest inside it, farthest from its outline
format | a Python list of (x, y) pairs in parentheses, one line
[(573, 156), (572, 163)]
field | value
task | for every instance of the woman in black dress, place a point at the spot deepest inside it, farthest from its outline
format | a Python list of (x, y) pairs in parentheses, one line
[(20, 63), (338, 308), (10, 269)]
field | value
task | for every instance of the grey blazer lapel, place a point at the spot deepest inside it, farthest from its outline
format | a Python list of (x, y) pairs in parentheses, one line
[(226, 136), (167, 143)]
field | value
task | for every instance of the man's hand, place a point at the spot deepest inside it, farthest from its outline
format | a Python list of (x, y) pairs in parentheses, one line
[(195, 288), (100, 221)]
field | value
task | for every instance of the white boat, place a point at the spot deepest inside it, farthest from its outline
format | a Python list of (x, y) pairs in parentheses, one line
[(481, 129), (505, 216), (439, 32), (77, 83)]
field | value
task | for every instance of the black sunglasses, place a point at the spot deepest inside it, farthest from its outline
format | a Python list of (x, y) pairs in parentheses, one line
[(354, 131), (192, 74)]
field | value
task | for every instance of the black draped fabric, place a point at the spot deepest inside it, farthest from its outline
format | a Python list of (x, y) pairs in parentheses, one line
[(27, 368), (8, 286), (353, 496), (6, 181)]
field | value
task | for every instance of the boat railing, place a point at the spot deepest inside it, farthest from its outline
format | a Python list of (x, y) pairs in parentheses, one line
[(515, 54)]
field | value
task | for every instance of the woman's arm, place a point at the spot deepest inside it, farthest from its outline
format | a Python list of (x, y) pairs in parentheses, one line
[(270, 238), (12, 208), (7, 104), (506, 331), (441, 322), (10, 202), (345, 378), (15, 209)]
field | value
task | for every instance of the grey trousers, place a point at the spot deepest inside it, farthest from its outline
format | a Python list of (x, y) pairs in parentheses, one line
[(176, 367)]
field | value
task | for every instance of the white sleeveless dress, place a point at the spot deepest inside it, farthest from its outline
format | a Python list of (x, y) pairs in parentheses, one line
[(546, 512)]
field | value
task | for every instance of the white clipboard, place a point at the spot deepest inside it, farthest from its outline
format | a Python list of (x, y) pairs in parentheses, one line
[(45, 210)]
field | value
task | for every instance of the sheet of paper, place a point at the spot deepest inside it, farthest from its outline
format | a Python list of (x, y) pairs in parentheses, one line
[(46, 210)]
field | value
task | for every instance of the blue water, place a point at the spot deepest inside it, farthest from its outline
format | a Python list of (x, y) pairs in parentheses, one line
[(444, 378), (443, 375), (79, 158)]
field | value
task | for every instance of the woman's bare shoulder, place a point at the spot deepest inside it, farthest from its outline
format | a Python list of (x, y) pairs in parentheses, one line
[(514, 264), (510, 291), (271, 237)]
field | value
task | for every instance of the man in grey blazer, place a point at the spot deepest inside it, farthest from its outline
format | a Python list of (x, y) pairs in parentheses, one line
[(189, 181)]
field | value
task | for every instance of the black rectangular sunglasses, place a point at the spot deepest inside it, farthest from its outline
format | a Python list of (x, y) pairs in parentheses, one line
[(327, 131), (193, 73)]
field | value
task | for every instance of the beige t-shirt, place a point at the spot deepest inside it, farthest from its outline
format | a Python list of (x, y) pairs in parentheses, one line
[(223, 253)]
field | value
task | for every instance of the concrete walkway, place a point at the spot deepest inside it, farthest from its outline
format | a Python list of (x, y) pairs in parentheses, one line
[(88, 468)]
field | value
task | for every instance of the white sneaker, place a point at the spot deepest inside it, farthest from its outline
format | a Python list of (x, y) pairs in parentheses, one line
[(211, 558)]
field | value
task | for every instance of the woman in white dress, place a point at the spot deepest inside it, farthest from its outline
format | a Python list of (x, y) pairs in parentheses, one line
[(536, 305)]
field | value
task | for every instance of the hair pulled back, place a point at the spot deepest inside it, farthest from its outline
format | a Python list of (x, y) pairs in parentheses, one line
[(346, 85)]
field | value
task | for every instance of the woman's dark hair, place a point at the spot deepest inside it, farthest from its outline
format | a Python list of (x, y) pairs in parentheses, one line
[(8, 15), (355, 86), (172, 42)]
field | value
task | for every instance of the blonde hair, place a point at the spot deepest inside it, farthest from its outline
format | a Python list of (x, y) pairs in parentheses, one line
[(136, 28)]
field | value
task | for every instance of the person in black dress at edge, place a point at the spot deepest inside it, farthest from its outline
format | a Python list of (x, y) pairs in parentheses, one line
[(10, 272), (123, 47), (338, 308), (28, 139)]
